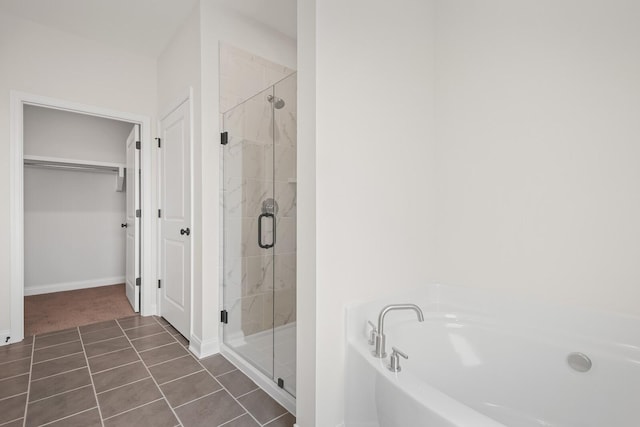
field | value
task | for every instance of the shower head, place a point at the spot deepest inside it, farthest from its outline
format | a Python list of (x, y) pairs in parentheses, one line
[(278, 103)]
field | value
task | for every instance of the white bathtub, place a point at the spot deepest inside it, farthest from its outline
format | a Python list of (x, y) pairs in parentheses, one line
[(479, 360)]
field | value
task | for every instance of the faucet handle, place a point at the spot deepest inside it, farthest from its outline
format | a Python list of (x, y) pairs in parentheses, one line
[(373, 333), (397, 352), (394, 360)]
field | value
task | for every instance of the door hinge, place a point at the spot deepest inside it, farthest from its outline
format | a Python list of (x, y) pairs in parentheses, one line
[(224, 316), (159, 286), (224, 138), (280, 383), (137, 145), (159, 213), (138, 213), (158, 139), (138, 281)]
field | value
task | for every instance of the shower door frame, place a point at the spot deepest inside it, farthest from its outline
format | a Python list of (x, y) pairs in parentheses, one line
[(263, 380)]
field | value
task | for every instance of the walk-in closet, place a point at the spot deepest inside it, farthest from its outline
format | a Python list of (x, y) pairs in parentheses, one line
[(77, 188)]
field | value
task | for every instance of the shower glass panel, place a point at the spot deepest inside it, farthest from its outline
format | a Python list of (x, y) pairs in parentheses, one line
[(284, 277), (259, 231)]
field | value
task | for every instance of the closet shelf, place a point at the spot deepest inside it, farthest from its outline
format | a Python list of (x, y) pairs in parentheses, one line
[(78, 165)]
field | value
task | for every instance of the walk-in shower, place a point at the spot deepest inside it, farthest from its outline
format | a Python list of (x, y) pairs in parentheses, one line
[(259, 232)]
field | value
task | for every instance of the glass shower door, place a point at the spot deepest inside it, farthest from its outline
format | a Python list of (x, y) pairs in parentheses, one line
[(259, 231), (285, 183), (249, 222)]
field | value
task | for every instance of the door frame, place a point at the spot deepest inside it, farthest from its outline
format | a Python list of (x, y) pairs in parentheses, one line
[(184, 96), (18, 101)]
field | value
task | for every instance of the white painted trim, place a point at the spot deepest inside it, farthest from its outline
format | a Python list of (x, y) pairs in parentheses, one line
[(17, 217), (72, 286), (5, 338), (18, 100), (266, 384), (203, 349), (186, 96)]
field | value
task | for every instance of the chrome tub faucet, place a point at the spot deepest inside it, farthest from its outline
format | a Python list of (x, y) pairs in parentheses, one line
[(378, 334)]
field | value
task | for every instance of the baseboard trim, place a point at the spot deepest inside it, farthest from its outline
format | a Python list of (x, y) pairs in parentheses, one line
[(202, 349), (72, 286)]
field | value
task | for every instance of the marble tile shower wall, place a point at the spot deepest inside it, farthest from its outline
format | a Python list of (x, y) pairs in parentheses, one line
[(260, 163), (243, 74)]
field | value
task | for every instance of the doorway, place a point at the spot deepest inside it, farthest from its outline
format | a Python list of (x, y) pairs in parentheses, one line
[(140, 133)]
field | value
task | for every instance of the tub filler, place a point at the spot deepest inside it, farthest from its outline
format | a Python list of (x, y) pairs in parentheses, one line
[(480, 360)]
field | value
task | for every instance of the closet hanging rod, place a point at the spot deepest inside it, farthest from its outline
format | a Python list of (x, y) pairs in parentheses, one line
[(73, 164), (79, 165)]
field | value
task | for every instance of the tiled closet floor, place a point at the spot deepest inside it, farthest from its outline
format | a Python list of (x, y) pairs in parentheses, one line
[(134, 371)]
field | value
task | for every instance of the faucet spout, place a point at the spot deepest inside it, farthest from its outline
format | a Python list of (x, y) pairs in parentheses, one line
[(379, 351)]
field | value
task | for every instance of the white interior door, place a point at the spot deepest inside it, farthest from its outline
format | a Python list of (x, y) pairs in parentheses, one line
[(175, 218), (132, 250)]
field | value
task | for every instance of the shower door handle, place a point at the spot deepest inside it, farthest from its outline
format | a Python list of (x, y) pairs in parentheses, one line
[(273, 219)]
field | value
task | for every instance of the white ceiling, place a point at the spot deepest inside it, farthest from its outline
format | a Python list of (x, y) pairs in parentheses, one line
[(142, 26)]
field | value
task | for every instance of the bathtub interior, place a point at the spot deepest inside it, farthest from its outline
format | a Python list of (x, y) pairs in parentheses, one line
[(506, 359)]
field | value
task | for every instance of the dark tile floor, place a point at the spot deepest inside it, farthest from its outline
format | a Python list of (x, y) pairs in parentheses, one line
[(134, 371)]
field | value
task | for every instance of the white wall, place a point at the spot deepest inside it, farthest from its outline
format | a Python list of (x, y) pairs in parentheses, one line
[(537, 149), (47, 62), (72, 233), (306, 371), (57, 133), (374, 130), (244, 74)]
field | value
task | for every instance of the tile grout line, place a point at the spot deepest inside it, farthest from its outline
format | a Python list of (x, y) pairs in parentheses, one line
[(231, 420), (13, 395), (68, 416), (16, 360), (171, 360), (59, 373), (55, 358), (232, 396), (225, 373), (26, 403), (201, 397), (123, 385), (108, 352), (153, 348), (9, 422), (16, 376), (249, 392), (139, 326), (133, 409), (152, 378), (53, 333), (95, 395), (96, 330), (146, 336), (108, 339), (182, 377), (163, 345), (278, 417), (55, 345), (116, 367), (58, 394)]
